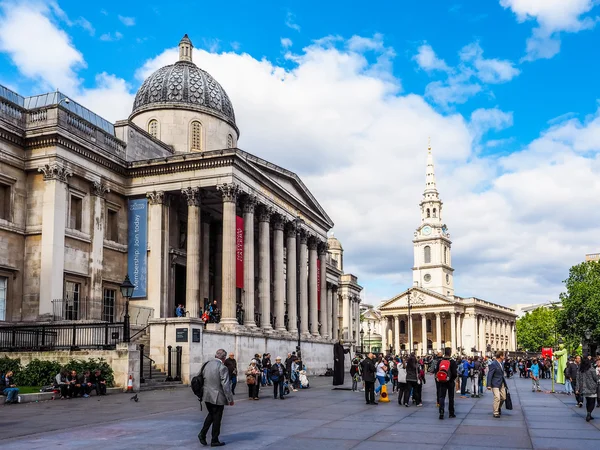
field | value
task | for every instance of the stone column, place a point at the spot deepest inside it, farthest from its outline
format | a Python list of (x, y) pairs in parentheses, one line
[(411, 330), (291, 268), (397, 334), (384, 332), (52, 255), (303, 261), (424, 333), (157, 211), (278, 275), (512, 337), (458, 331), (453, 331), (335, 307), (264, 269), (346, 316), (229, 192), (324, 312), (248, 292), (312, 287), (99, 191), (205, 285), (438, 331), (331, 318), (218, 284), (192, 276)]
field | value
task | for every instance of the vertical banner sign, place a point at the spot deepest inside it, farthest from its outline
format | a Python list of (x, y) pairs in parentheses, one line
[(239, 252), (318, 285), (137, 248)]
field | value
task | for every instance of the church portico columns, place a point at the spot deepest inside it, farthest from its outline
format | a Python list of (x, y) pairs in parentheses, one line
[(397, 334), (248, 292), (325, 312), (423, 333), (278, 280), (335, 307), (192, 290), (410, 334), (264, 272), (312, 288), (291, 281), (303, 261), (229, 192), (438, 331), (453, 331), (157, 206)]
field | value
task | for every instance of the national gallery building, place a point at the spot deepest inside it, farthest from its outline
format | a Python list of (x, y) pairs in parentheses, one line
[(168, 198), (428, 316)]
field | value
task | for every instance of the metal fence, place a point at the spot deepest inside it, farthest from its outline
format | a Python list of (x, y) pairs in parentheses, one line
[(86, 309), (61, 336)]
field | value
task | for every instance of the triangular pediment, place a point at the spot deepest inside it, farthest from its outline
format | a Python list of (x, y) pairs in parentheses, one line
[(419, 297), (285, 181)]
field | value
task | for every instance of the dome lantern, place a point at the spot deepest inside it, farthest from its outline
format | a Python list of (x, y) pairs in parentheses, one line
[(185, 49)]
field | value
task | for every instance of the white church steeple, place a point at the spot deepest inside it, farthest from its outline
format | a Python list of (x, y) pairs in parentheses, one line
[(432, 260)]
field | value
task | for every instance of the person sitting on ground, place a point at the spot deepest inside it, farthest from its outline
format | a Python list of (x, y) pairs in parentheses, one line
[(75, 384), (61, 382), (86, 384), (99, 382), (10, 389)]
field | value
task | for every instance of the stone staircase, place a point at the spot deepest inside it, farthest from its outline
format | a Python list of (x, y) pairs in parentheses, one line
[(153, 377)]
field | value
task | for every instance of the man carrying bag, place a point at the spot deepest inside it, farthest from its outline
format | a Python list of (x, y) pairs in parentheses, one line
[(497, 384)]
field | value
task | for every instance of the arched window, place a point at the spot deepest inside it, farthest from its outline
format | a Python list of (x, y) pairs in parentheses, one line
[(434, 213), (196, 136), (445, 255), (427, 254), (428, 213), (153, 128), (402, 327), (229, 141)]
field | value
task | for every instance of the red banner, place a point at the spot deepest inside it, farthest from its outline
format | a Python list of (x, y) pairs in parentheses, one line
[(239, 252), (318, 285), (546, 352)]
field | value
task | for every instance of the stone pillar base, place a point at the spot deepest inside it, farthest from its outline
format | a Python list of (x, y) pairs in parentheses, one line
[(213, 326)]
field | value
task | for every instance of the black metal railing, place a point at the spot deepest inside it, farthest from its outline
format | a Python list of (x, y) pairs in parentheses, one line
[(87, 309), (174, 357), (61, 336)]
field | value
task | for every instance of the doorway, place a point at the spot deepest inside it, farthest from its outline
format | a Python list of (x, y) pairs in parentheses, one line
[(180, 281)]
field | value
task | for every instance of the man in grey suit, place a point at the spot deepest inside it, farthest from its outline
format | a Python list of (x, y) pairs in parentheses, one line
[(496, 383), (217, 394)]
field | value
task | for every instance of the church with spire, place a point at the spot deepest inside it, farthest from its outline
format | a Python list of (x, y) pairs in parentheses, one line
[(429, 316)]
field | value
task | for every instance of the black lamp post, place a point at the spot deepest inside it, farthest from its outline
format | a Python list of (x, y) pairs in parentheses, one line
[(369, 334), (362, 341), (126, 291)]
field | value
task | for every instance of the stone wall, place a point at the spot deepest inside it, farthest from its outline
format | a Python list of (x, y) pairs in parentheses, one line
[(140, 144), (317, 355), (125, 360)]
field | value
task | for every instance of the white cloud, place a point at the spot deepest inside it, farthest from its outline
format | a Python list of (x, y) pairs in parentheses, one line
[(40, 50), (127, 21), (488, 70), (286, 42), (290, 21), (86, 25), (428, 60), (111, 97), (111, 37), (484, 120), (552, 17)]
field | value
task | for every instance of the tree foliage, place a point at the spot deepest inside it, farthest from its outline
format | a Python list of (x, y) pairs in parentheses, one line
[(537, 329), (581, 302)]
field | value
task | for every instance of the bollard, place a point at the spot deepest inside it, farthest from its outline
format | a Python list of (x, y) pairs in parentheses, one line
[(169, 350)]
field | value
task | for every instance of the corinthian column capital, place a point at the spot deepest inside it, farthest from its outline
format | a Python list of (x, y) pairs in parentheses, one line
[(230, 191), (156, 197), (99, 189), (192, 195), (249, 204), (55, 171)]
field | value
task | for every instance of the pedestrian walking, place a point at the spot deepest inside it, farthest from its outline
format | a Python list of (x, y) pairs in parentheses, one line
[(277, 374), (535, 376), (231, 364), (368, 375), (355, 372), (217, 394), (587, 386), (572, 372), (496, 383), (412, 378), (445, 374), (403, 389), (253, 380), (476, 370)]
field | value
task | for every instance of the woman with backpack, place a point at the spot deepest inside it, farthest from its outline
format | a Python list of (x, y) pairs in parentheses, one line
[(403, 389)]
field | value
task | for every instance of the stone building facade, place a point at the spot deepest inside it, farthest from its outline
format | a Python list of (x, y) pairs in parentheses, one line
[(218, 223), (428, 316)]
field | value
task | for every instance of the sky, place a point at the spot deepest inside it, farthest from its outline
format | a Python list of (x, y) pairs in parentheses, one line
[(346, 94)]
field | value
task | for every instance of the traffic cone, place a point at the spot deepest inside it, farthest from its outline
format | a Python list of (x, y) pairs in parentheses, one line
[(383, 396), (130, 384)]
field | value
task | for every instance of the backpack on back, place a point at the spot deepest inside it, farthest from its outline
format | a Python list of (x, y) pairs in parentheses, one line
[(197, 384), (443, 373)]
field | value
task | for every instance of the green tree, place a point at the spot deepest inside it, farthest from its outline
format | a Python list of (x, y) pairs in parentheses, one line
[(537, 329), (581, 302)]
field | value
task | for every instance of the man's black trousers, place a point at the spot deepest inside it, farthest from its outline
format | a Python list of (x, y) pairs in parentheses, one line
[(370, 391), (447, 387), (214, 417)]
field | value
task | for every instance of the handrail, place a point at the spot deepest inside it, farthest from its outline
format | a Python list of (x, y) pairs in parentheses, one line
[(139, 332)]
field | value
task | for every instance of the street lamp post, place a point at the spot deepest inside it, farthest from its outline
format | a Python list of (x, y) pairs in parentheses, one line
[(362, 341), (369, 334), (127, 288)]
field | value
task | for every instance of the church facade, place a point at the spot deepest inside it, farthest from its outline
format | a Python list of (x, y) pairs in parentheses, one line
[(168, 198), (429, 316)]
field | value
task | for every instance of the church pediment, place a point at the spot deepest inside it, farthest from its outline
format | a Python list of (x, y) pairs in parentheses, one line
[(418, 298)]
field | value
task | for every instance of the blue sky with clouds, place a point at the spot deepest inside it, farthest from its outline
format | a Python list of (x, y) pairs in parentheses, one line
[(346, 94)]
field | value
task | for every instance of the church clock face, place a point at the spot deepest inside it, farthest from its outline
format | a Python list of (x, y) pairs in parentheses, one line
[(426, 230), (427, 278)]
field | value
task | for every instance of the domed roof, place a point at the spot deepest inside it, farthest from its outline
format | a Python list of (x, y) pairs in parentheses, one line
[(184, 85), (334, 243)]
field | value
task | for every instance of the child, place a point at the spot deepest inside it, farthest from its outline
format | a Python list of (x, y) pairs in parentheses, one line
[(535, 376)]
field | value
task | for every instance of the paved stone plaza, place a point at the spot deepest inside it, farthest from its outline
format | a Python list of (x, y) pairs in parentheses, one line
[(311, 419)]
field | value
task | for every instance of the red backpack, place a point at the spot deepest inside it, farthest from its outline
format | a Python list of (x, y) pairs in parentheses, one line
[(442, 374)]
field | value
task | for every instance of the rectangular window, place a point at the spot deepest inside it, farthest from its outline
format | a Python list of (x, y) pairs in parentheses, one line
[(112, 225), (72, 297), (108, 305), (3, 295), (75, 213), (4, 201)]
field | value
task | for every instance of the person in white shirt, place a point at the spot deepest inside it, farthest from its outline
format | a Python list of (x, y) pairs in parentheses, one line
[(380, 374)]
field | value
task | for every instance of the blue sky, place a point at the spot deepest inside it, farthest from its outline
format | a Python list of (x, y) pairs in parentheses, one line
[(507, 89)]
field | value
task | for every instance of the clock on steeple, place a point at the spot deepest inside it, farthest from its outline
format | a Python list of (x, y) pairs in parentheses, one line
[(432, 262)]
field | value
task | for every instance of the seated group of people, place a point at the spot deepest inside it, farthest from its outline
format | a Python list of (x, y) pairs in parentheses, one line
[(71, 384)]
